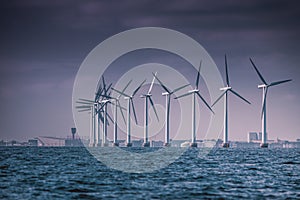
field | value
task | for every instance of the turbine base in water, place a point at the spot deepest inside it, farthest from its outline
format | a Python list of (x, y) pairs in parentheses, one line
[(167, 144), (225, 145), (105, 145), (264, 145), (115, 144), (129, 145), (193, 144), (146, 144)]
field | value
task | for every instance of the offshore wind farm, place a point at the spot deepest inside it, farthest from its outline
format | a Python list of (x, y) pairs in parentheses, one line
[(136, 99), (103, 96)]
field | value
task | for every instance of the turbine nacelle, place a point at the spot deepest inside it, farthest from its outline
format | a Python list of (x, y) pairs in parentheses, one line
[(194, 90), (262, 86), (145, 95), (105, 101), (225, 88), (165, 93)]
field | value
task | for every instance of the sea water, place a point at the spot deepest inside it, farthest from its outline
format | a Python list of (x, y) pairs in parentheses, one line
[(72, 173)]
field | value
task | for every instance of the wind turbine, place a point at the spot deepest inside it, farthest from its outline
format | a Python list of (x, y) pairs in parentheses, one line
[(168, 94), (96, 108), (225, 94), (148, 97), (265, 87), (116, 105), (129, 104), (89, 106), (195, 92)]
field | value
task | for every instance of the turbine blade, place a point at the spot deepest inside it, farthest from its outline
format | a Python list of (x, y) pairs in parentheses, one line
[(104, 85), (153, 107), (149, 91), (137, 89), (234, 92), (125, 88), (205, 102), (99, 84), (186, 94), (86, 100), (264, 103), (86, 103), (101, 107), (118, 105), (179, 88), (226, 71), (198, 75), (109, 117), (259, 74), (279, 82), (121, 93), (108, 88), (100, 117), (118, 102), (84, 110), (98, 94), (218, 99), (83, 106), (161, 84), (106, 96), (134, 113)]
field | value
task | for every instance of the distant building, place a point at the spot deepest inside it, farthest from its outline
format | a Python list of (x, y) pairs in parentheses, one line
[(252, 136), (50, 141), (33, 142), (157, 143), (74, 141), (137, 143)]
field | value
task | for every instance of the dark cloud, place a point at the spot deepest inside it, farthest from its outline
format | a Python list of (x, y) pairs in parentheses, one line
[(44, 42)]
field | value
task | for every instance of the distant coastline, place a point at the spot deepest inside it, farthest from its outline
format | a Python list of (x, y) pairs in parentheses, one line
[(48, 141)]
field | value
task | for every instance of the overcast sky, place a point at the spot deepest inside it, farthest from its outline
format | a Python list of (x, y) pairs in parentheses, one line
[(43, 44)]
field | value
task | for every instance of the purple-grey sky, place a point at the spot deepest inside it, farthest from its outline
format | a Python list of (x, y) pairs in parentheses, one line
[(44, 42)]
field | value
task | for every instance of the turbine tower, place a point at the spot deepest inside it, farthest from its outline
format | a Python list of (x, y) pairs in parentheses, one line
[(130, 103), (265, 87), (116, 105), (168, 94), (225, 94), (195, 92), (105, 122), (148, 97)]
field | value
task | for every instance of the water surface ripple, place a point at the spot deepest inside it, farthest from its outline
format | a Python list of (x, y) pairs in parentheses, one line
[(72, 173)]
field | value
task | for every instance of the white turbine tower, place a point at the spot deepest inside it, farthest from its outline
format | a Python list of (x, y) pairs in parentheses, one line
[(116, 105), (168, 94), (265, 87), (195, 92), (105, 122), (129, 105), (225, 94), (148, 97)]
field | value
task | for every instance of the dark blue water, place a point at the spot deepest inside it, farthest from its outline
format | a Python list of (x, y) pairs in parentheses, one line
[(72, 173)]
